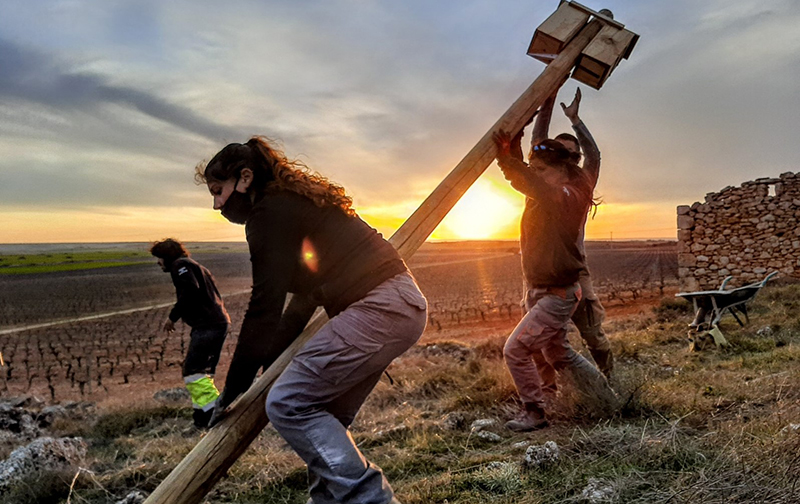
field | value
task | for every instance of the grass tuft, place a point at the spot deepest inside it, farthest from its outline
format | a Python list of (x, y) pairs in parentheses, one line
[(120, 423)]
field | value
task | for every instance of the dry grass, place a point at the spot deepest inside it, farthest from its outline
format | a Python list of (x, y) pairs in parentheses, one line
[(715, 426)]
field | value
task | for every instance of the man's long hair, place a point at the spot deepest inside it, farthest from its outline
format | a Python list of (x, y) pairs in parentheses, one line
[(273, 171), (555, 154), (168, 249)]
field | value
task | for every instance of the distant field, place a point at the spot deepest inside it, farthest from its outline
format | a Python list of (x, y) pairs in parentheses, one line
[(54, 258), (23, 264)]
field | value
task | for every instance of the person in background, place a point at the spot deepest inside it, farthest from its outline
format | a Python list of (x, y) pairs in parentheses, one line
[(306, 239), (558, 197), (590, 314), (200, 306)]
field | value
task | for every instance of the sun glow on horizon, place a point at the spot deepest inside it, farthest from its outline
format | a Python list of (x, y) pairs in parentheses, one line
[(487, 210)]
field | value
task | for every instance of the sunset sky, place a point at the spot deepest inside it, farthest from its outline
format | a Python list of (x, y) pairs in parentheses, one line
[(106, 107)]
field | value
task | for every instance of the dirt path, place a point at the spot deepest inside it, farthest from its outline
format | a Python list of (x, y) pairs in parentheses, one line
[(99, 316)]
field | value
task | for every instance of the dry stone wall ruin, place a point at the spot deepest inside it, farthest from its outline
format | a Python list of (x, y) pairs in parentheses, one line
[(745, 232)]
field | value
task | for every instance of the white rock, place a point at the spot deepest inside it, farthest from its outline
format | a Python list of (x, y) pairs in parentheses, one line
[(489, 436), (135, 497), (43, 454), (764, 331), (482, 423), (538, 455), (598, 491)]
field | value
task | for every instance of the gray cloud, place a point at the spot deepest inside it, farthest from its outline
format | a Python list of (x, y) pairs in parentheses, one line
[(81, 140), (70, 184), (31, 76)]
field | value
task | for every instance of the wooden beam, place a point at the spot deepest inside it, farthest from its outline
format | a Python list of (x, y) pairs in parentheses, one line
[(607, 19), (210, 459)]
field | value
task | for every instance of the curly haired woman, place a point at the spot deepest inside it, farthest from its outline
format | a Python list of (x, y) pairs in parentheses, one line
[(305, 238)]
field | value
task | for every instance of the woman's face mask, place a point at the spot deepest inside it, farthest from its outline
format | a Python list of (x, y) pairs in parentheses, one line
[(236, 207)]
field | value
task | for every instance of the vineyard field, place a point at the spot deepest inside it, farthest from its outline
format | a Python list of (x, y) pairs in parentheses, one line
[(118, 357)]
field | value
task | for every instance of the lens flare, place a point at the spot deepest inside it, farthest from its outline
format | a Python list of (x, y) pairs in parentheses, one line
[(309, 254)]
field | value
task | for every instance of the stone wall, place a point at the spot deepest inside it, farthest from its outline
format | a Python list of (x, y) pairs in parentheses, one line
[(746, 232)]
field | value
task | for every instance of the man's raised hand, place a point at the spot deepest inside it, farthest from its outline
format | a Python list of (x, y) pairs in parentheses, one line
[(571, 111)]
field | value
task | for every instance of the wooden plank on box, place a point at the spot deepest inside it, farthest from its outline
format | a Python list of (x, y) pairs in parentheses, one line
[(581, 74), (602, 55), (633, 38), (597, 14), (556, 31)]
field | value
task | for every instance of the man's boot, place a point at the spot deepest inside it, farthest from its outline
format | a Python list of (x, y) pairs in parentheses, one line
[(532, 418)]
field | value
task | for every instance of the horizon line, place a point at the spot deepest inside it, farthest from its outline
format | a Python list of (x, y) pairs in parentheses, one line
[(244, 241)]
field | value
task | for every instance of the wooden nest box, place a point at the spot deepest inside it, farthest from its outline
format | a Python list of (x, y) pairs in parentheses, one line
[(596, 62), (556, 31), (603, 54)]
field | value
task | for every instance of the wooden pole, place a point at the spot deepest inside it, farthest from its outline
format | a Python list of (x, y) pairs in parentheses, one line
[(424, 220), (210, 459)]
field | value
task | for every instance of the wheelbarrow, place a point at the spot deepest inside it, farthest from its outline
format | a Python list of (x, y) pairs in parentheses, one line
[(716, 303)]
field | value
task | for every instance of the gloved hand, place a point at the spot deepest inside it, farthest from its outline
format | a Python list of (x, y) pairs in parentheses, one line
[(502, 141), (216, 417), (221, 409)]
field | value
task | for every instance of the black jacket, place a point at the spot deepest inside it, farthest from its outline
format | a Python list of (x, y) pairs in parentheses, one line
[(321, 255), (199, 303)]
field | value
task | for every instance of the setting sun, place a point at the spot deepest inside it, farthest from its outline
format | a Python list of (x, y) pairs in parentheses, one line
[(488, 210)]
